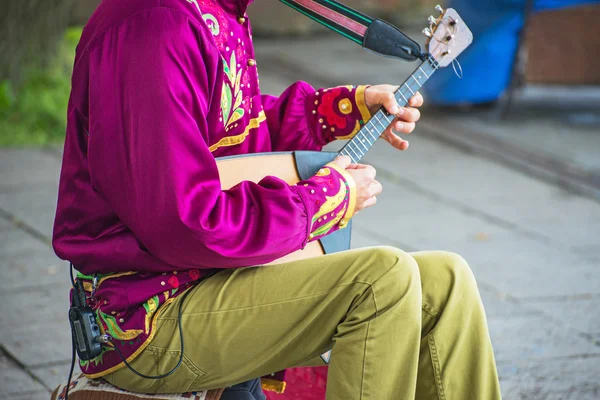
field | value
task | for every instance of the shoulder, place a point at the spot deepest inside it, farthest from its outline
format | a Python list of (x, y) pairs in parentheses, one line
[(144, 19)]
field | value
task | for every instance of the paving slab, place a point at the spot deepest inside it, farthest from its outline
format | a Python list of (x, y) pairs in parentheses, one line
[(529, 337), (332, 59), (513, 262), (462, 180), (555, 379), (48, 302), (551, 131), (20, 168), (16, 241), (580, 314), (496, 303), (526, 268), (38, 343), (15, 381), (35, 206), (554, 132), (5, 225), (552, 211), (54, 375), (30, 270)]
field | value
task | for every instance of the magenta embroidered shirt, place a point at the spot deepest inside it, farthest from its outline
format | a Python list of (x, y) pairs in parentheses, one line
[(160, 88)]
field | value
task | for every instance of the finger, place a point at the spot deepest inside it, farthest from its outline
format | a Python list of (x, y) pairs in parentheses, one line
[(343, 161), (371, 172), (416, 100), (388, 101), (375, 188), (371, 201), (404, 127), (356, 166), (410, 114), (395, 140)]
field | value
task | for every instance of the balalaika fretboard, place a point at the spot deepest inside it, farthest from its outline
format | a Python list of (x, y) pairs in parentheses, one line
[(361, 143)]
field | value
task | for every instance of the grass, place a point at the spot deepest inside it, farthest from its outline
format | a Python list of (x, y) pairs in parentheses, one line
[(35, 113)]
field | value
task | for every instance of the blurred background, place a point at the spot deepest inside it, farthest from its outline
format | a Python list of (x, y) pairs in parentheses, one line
[(504, 168)]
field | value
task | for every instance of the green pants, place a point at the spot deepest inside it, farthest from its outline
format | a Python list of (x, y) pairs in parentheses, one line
[(401, 326)]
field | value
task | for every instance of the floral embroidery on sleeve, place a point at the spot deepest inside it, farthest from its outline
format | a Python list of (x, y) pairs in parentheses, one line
[(337, 113), (231, 95)]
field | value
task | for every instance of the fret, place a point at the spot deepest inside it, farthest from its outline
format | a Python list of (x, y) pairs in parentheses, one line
[(403, 98), (381, 123), (345, 153), (384, 115), (349, 145), (415, 79), (370, 134), (361, 140), (359, 149), (366, 137)]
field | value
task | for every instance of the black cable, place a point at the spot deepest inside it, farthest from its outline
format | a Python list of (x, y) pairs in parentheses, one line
[(180, 312), (72, 368), (72, 347), (71, 275), (180, 338)]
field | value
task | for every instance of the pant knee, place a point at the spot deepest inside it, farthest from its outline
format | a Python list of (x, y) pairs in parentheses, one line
[(401, 281), (460, 270), (403, 264), (446, 274)]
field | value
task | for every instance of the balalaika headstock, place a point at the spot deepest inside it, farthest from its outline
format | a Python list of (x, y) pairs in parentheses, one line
[(447, 36)]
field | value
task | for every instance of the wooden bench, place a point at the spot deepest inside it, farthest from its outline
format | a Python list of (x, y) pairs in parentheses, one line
[(83, 388)]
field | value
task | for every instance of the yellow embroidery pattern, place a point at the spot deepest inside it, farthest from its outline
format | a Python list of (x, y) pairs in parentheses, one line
[(231, 101), (118, 333), (365, 114), (151, 306), (87, 285), (324, 172), (362, 105), (345, 106), (351, 134), (138, 351), (325, 228), (351, 187), (331, 203), (237, 139)]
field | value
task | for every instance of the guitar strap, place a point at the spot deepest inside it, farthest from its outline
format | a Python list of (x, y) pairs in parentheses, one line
[(372, 34)]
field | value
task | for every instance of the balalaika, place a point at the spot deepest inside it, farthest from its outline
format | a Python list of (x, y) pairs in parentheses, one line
[(447, 36)]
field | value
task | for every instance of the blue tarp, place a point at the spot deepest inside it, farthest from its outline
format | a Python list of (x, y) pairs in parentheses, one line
[(488, 61)]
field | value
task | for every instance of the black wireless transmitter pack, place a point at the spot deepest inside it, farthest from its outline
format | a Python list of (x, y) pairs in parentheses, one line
[(85, 330)]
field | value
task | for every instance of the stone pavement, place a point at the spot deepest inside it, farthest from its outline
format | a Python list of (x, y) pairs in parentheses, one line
[(533, 245)]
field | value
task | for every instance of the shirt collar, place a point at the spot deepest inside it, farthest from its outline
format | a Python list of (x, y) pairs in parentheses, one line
[(237, 7)]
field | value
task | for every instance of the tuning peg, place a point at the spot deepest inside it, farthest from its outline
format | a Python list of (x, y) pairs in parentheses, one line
[(450, 37), (427, 32), (439, 9), (447, 52), (432, 20)]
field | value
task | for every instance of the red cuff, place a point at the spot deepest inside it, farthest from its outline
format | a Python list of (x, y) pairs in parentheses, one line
[(337, 113)]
